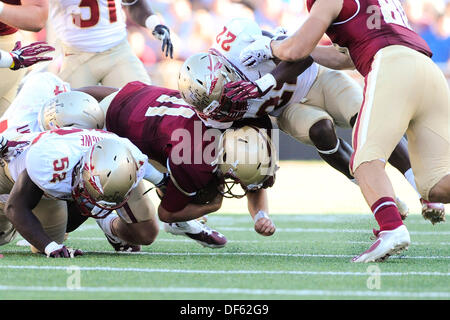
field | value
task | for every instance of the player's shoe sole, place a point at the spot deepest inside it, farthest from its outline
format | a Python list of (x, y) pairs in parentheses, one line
[(435, 212), (388, 243)]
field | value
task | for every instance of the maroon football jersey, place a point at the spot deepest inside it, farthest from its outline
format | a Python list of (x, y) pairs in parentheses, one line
[(167, 130), (4, 28), (366, 26)]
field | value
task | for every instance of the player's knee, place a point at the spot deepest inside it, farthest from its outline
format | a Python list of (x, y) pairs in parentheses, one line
[(441, 191), (323, 135), (145, 236)]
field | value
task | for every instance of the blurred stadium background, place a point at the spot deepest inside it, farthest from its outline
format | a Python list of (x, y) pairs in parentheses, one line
[(195, 23)]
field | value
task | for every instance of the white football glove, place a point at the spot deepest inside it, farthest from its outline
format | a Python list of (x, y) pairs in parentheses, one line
[(256, 52)]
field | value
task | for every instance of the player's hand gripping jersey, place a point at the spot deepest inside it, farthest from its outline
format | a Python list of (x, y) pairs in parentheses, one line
[(168, 130)]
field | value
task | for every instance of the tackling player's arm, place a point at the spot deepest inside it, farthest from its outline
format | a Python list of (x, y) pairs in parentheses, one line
[(97, 92), (258, 207), (24, 197), (31, 15), (141, 13), (332, 58), (300, 45), (190, 211)]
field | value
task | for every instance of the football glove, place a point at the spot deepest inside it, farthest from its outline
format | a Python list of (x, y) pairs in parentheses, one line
[(162, 33), (54, 250), (24, 57), (256, 52), (241, 91)]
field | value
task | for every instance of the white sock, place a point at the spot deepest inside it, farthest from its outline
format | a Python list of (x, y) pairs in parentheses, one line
[(105, 224)]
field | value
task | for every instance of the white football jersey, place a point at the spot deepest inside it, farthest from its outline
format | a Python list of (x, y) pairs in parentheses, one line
[(22, 115), (237, 35), (50, 157), (88, 25)]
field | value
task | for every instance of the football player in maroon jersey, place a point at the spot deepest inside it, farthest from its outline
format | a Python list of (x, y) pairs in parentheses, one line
[(168, 130), (404, 92)]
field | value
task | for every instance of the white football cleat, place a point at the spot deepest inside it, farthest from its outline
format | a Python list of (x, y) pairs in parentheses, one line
[(388, 243), (197, 231), (402, 208), (433, 211)]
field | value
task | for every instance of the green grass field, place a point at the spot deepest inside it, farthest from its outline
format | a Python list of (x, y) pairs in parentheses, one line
[(307, 258)]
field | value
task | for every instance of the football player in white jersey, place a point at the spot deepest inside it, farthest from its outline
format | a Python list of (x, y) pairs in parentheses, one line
[(307, 106), (98, 171), (94, 40)]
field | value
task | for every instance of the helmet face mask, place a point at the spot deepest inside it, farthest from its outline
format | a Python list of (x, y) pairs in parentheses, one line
[(71, 109), (104, 178), (201, 83), (247, 156)]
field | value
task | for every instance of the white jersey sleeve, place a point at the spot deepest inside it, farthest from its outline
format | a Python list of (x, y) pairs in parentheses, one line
[(238, 34), (22, 115), (53, 155), (88, 25)]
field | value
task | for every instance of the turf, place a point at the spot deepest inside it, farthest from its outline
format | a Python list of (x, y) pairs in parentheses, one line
[(307, 258)]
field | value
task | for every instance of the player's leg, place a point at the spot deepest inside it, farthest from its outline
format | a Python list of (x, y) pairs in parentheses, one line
[(10, 79), (124, 67), (313, 126), (7, 230), (390, 103), (79, 69), (429, 136)]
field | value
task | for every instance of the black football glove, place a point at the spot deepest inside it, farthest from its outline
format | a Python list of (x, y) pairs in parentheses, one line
[(162, 33)]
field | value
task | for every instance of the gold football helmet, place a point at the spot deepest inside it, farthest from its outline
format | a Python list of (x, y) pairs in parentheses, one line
[(71, 109), (104, 178), (246, 156), (201, 83)]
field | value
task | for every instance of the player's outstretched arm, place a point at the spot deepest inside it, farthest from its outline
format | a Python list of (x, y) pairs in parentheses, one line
[(258, 207), (141, 12), (332, 58), (304, 40), (191, 211), (31, 15), (24, 197)]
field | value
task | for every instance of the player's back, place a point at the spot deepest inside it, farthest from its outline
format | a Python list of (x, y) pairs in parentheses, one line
[(155, 119), (91, 26), (367, 26)]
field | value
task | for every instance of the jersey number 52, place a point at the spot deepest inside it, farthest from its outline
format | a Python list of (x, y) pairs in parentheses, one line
[(60, 165)]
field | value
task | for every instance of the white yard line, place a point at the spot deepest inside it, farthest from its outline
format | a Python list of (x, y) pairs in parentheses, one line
[(298, 230), (265, 241), (233, 291), (189, 271)]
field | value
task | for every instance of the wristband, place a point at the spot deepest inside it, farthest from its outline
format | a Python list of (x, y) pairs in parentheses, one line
[(2, 5), (6, 60), (267, 82), (261, 214), (152, 21), (52, 246)]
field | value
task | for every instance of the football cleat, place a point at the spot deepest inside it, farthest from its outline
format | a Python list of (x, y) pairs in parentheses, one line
[(197, 231), (118, 244), (387, 243), (433, 211), (402, 208)]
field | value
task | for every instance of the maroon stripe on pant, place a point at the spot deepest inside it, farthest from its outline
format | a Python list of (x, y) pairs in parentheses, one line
[(130, 213)]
